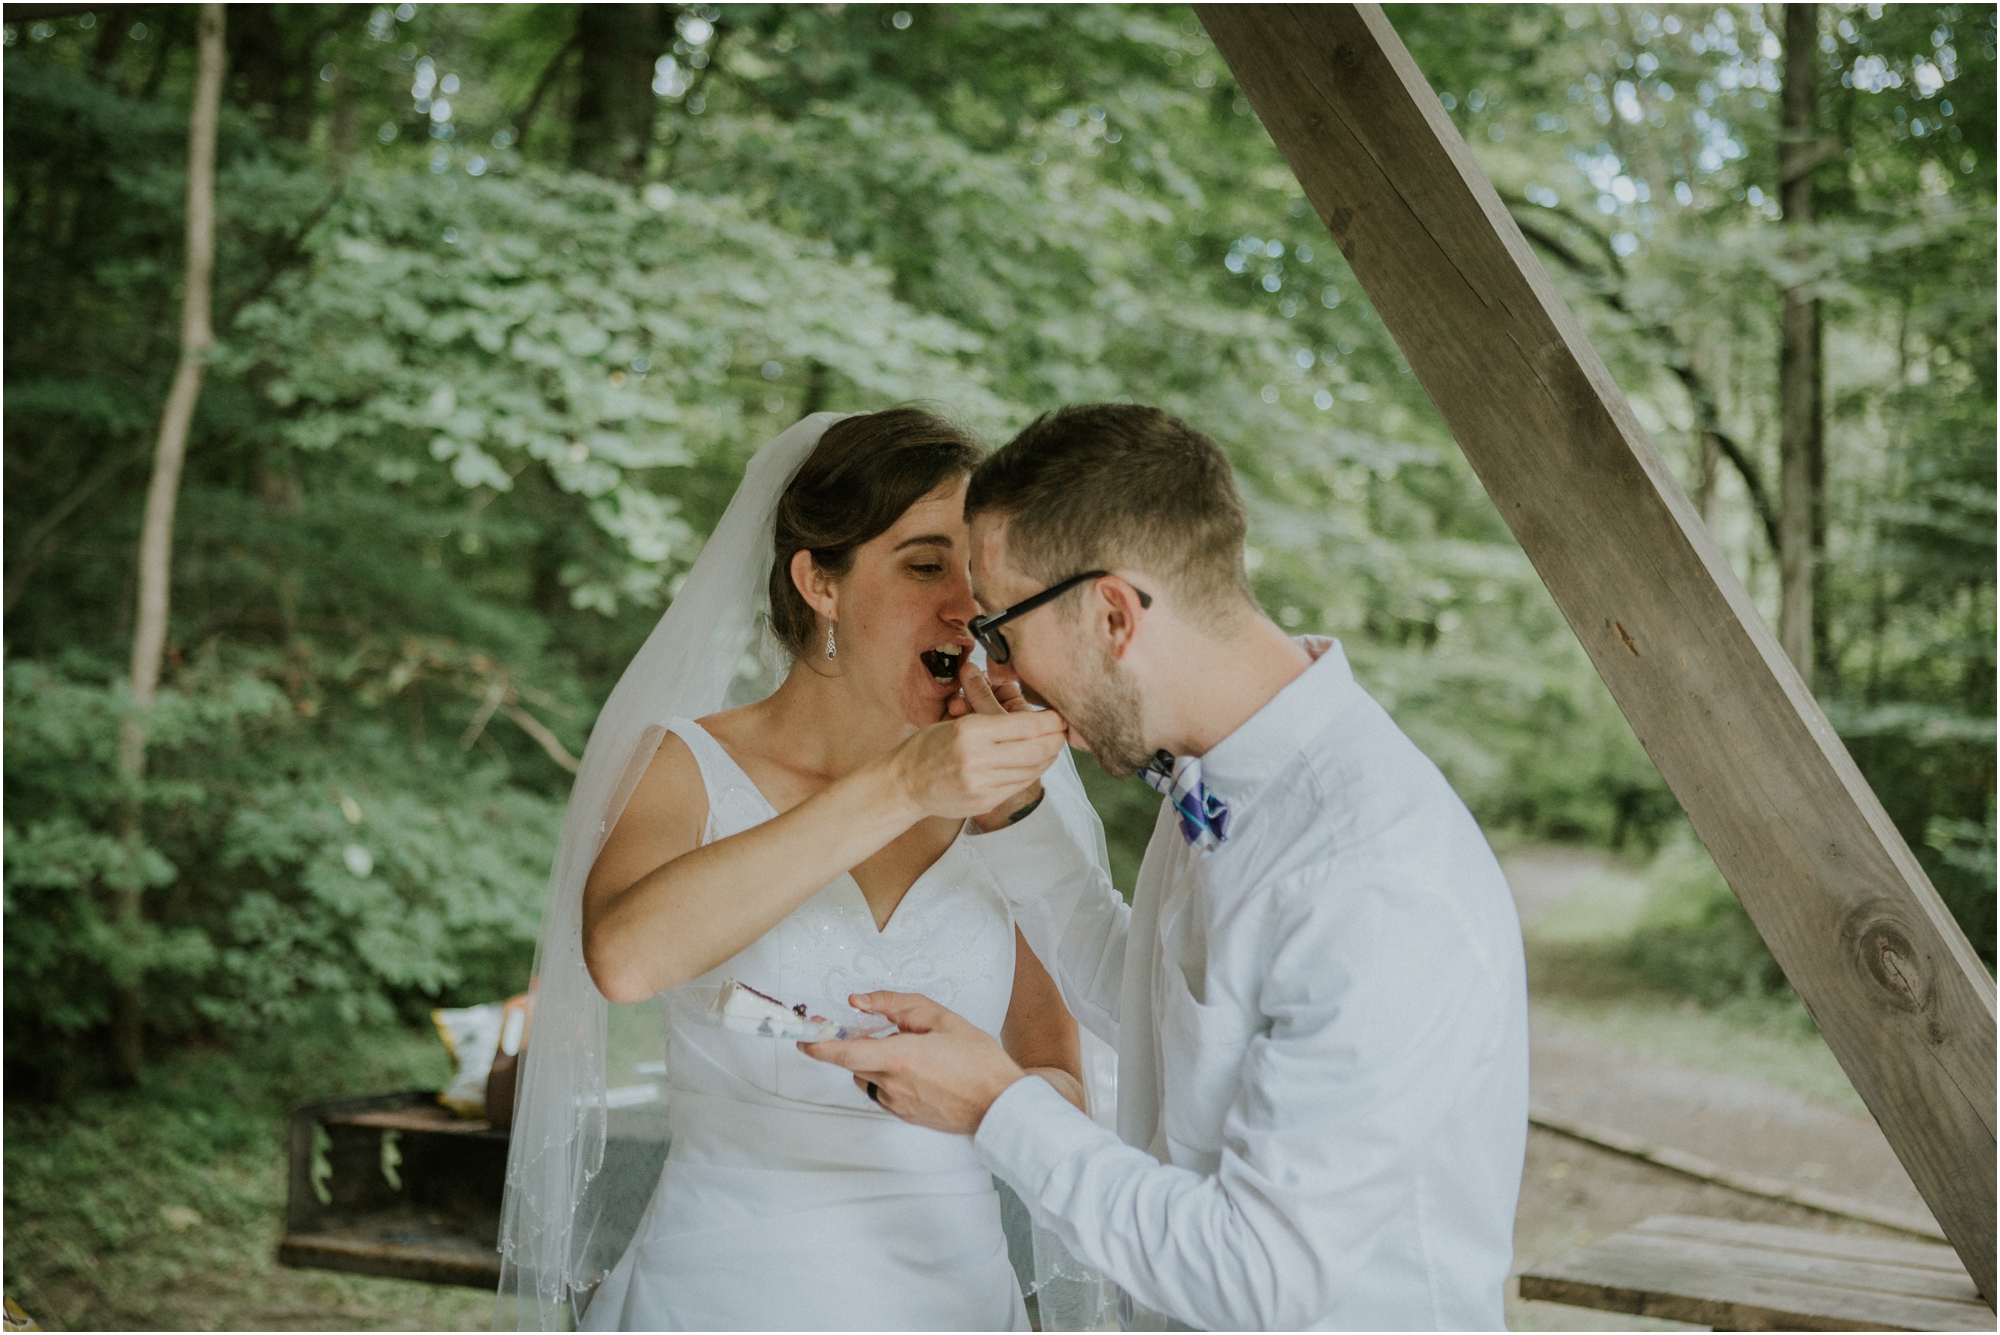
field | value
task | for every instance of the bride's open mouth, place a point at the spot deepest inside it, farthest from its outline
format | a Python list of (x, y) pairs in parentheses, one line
[(942, 662)]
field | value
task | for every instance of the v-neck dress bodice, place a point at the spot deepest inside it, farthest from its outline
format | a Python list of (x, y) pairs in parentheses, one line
[(789, 1201)]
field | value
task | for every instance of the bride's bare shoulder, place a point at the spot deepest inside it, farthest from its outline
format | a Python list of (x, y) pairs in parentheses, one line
[(673, 774), (663, 819)]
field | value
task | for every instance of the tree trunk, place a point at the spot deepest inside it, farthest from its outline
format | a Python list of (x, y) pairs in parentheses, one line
[(340, 131), (275, 77), (111, 36), (157, 536), (1801, 445), (816, 387), (613, 125)]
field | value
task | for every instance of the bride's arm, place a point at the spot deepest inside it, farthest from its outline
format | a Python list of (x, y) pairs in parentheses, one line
[(1040, 1033), (660, 908)]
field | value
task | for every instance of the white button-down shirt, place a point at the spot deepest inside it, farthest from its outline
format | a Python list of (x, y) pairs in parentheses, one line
[(1322, 1038)]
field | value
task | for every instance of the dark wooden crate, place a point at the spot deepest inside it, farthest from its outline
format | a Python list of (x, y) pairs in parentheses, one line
[(438, 1222)]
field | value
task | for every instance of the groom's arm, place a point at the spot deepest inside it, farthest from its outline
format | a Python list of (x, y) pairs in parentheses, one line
[(1067, 909), (1366, 1053)]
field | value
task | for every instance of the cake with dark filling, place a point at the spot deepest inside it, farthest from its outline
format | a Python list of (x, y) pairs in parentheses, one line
[(742, 1007)]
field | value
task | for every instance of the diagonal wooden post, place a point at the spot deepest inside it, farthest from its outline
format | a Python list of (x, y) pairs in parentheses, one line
[(1895, 987)]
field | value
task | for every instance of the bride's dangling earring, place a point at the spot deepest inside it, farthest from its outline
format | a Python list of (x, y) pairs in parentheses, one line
[(829, 639)]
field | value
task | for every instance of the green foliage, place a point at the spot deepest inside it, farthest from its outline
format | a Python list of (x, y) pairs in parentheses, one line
[(504, 323), (1963, 853), (344, 880)]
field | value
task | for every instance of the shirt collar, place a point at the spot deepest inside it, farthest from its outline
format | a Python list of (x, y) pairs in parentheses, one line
[(1239, 766)]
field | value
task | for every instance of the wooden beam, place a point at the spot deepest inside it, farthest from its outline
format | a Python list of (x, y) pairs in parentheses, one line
[(1902, 999)]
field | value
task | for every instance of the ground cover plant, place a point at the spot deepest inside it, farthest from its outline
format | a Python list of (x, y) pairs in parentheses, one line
[(159, 1207)]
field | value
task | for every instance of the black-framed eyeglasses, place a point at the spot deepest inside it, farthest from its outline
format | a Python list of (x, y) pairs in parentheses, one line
[(987, 629)]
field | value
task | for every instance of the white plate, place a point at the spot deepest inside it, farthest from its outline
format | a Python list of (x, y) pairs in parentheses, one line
[(822, 1023), (798, 1030)]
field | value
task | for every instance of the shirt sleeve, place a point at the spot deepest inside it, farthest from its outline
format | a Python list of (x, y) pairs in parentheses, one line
[(1357, 1053), (1065, 905)]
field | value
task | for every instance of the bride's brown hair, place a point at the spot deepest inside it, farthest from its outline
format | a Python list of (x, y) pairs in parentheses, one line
[(865, 471)]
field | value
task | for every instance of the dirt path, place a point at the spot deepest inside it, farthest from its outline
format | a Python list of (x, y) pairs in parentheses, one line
[(1573, 1193), (1738, 1124)]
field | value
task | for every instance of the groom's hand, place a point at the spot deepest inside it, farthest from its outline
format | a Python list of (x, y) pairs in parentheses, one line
[(942, 1071)]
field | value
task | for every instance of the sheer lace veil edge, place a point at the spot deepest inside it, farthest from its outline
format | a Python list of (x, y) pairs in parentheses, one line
[(558, 1214)]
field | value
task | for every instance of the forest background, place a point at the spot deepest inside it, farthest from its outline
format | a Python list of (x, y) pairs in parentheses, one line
[(506, 295)]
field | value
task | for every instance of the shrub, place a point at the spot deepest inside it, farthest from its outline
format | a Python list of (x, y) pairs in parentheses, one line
[(1694, 937), (295, 869)]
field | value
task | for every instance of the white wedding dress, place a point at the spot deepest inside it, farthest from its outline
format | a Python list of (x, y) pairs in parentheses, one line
[(789, 1201)]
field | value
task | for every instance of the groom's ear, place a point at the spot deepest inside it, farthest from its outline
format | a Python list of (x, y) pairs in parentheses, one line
[(1120, 614), (815, 584)]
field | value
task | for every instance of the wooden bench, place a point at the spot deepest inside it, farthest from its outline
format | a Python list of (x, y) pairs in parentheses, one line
[(1736, 1276)]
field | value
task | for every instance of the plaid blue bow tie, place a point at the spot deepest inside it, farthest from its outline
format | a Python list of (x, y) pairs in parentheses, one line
[(1204, 816)]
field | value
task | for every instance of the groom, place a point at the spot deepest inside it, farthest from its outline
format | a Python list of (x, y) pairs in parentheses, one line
[(1317, 993)]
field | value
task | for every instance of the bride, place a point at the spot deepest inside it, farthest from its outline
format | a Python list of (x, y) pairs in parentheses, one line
[(811, 844)]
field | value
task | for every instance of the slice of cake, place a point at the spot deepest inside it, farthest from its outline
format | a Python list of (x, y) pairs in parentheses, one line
[(742, 1007)]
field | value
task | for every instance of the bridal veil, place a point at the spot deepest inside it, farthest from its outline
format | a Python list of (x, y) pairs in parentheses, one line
[(585, 1157)]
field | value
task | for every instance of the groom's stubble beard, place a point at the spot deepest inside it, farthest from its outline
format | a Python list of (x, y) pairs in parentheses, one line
[(1110, 719)]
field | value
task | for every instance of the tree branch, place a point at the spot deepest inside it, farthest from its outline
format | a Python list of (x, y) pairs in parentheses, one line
[(1608, 282), (31, 554), (500, 697), (1732, 451), (1799, 153), (496, 695), (547, 78), (287, 253), (534, 727)]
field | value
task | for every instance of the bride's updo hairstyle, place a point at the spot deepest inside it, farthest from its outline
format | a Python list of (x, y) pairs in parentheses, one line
[(864, 473)]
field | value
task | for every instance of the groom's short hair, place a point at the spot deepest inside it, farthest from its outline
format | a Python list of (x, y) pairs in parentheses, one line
[(1104, 486)]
